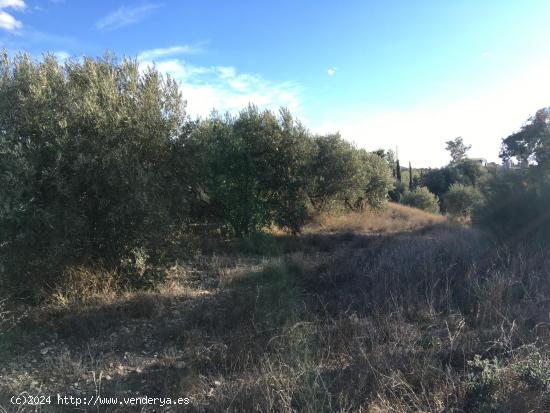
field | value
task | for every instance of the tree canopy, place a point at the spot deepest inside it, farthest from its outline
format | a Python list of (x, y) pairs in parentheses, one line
[(532, 142), (98, 159), (457, 149)]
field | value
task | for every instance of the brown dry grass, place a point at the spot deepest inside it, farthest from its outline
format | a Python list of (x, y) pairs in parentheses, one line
[(397, 312), (395, 218)]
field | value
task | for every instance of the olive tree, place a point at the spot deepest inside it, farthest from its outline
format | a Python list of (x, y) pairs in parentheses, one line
[(83, 154), (461, 200), (256, 170), (421, 198)]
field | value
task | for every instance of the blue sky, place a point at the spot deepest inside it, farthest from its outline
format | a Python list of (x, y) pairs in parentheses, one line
[(406, 74)]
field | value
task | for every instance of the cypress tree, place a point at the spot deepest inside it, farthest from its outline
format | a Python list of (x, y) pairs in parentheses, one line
[(410, 177), (398, 170)]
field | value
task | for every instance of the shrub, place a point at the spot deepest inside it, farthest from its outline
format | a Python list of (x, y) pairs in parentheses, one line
[(378, 180), (461, 200), (437, 180), (517, 205), (345, 177), (482, 384), (260, 169), (397, 191), (255, 172), (99, 163), (421, 198), (466, 172), (335, 173), (83, 154)]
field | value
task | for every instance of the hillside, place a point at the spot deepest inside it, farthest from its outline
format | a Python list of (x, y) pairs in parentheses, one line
[(395, 312)]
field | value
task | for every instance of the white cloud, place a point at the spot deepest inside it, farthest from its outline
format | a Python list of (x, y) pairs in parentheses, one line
[(226, 72), (7, 21), (153, 54), (331, 71), (420, 132), (223, 88), (13, 4), (62, 55), (125, 16), (180, 70)]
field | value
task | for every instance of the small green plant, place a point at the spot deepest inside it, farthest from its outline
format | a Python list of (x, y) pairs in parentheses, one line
[(421, 198), (534, 371), (482, 384), (137, 271)]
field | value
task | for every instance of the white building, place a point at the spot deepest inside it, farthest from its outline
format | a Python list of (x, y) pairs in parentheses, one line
[(481, 161)]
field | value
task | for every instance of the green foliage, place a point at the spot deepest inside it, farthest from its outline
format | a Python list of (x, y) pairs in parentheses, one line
[(532, 142), (397, 191), (421, 198), (83, 149), (461, 200), (98, 162), (437, 180), (137, 271), (377, 180), (483, 384), (457, 149), (410, 177), (232, 188), (534, 370), (389, 157), (465, 172), (517, 205), (517, 199), (254, 170), (344, 175), (397, 171), (334, 169), (468, 172)]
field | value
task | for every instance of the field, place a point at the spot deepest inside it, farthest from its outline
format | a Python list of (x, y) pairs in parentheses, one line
[(397, 312)]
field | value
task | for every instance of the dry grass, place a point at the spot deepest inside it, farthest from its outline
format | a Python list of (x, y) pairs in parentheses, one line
[(398, 312), (395, 218), (80, 284)]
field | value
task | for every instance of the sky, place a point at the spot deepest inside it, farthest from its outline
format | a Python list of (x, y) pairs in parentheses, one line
[(405, 75)]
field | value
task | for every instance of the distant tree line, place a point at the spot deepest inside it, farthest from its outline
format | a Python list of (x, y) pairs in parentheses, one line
[(452, 189), (510, 202), (518, 199), (98, 159)]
